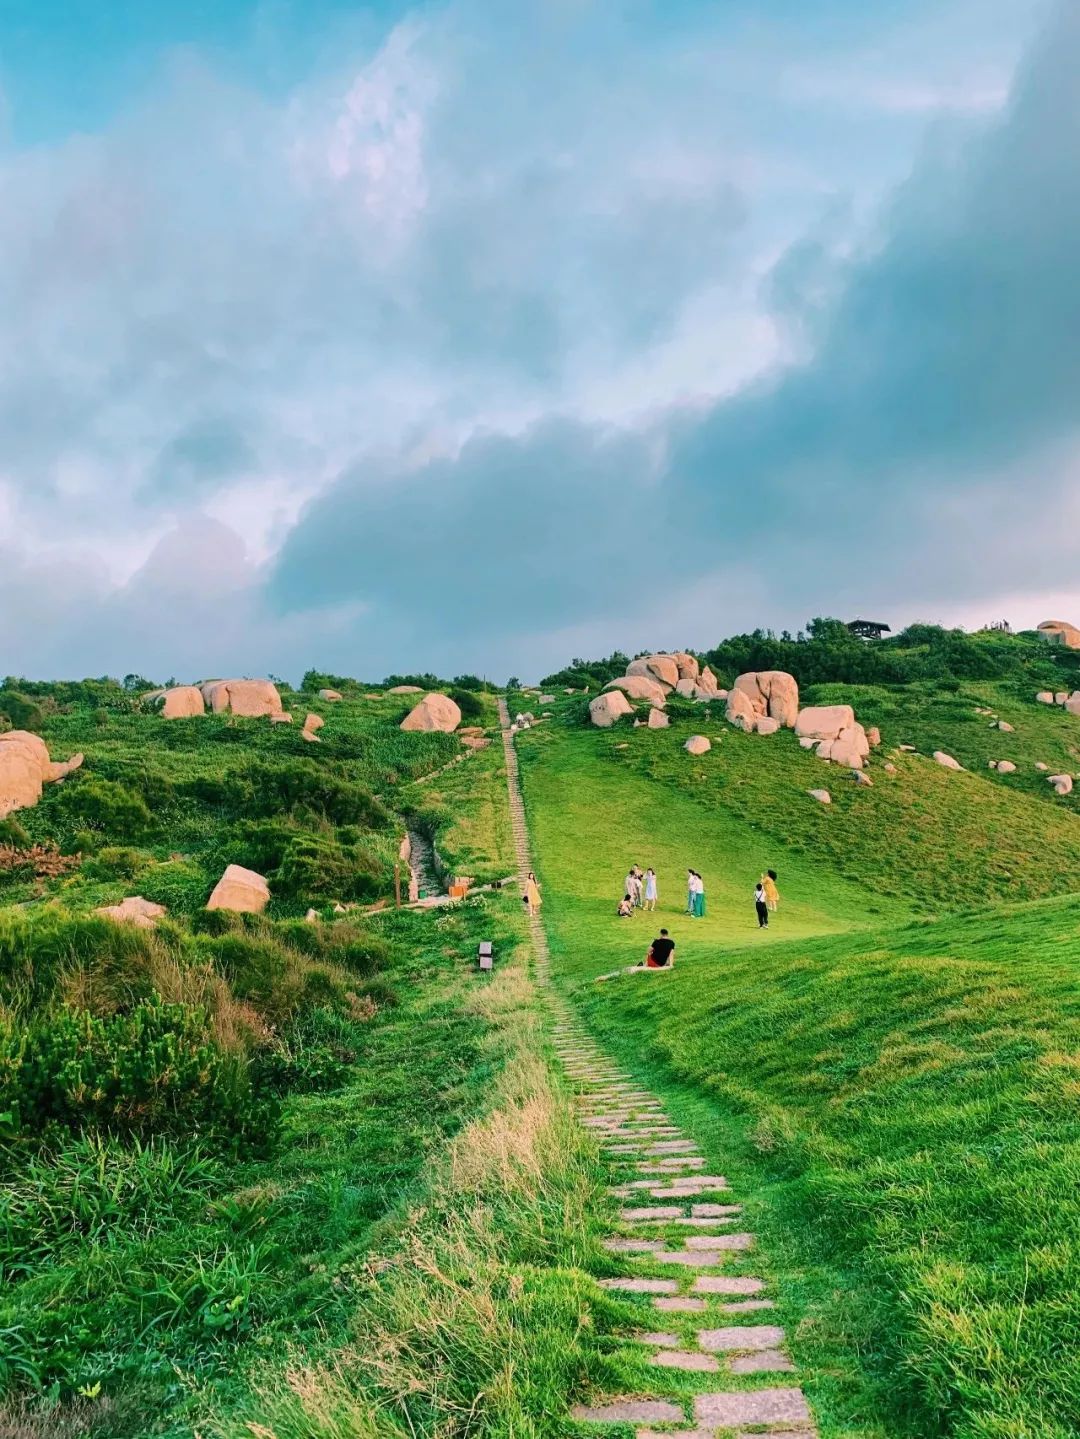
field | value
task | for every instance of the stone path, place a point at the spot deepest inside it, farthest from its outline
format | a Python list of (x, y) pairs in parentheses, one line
[(677, 1250)]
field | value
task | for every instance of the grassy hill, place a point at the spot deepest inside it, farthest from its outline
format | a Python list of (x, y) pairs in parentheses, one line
[(922, 840), (897, 1093), (905, 1103)]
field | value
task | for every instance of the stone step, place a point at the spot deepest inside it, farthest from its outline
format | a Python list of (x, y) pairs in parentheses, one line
[(738, 1337), (756, 1406), (727, 1284), (686, 1359), (628, 1411)]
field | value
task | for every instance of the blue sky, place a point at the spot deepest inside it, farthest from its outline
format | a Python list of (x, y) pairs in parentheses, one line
[(474, 336)]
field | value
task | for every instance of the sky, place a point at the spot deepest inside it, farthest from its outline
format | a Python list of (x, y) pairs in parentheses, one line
[(472, 337)]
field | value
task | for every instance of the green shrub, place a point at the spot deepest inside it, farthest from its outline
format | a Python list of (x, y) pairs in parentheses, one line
[(117, 862), (274, 980), (19, 710), (319, 869), (12, 832), (155, 1070), (181, 885), (103, 806), (264, 790), (468, 703), (37, 953)]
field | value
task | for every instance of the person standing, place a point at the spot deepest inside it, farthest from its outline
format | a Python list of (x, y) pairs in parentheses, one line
[(761, 905), (699, 896), (532, 895), (772, 894), (689, 891), (650, 889)]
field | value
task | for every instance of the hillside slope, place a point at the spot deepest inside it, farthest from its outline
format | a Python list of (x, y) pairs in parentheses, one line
[(911, 1098)]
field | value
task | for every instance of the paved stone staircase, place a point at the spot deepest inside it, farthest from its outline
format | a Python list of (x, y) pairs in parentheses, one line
[(683, 1257)]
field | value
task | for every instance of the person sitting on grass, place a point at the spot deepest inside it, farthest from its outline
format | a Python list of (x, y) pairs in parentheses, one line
[(626, 907), (661, 953)]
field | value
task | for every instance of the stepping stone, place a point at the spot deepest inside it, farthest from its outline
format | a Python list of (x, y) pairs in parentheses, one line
[(761, 1406), (732, 1241), (727, 1284), (707, 1241), (745, 1306), (671, 1166), (764, 1361), (659, 1341), (711, 1224), (683, 1359), (713, 1211), (654, 1213), (681, 1305), (692, 1184), (628, 1411), (673, 1146), (688, 1434), (693, 1259), (622, 1148), (641, 1286), (633, 1246), (740, 1336)]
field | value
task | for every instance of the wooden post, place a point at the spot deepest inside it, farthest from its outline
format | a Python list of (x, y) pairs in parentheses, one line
[(397, 884)]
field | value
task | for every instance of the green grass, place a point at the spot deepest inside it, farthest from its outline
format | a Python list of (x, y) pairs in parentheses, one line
[(906, 1103)]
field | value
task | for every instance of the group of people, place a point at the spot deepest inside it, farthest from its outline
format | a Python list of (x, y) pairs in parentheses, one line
[(640, 891)]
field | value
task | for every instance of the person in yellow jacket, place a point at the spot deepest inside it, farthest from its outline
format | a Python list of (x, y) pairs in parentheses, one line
[(532, 894), (772, 894)]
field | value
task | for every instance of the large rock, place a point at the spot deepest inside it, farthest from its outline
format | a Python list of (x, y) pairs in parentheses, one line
[(405, 690), (766, 724), (1062, 783), (434, 712), (821, 795), (1072, 704), (742, 711), (662, 668), (658, 719), (253, 698), (25, 767), (331, 695), (707, 681), (1045, 697), (850, 747), (241, 890), (688, 665), (180, 702), (697, 744), (1061, 632), (774, 693), (1005, 766), (946, 760), (605, 709), (133, 910), (641, 687), (824, 722)]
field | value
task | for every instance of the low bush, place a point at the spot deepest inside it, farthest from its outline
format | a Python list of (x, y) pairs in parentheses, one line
[(105, 807), (117, 862), (319, 869), (470, 705), (155, 1070)]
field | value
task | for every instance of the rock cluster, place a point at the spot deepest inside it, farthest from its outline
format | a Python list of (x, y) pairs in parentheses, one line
[(253, 698), (653, 678), (763, 701), (835, 734), (434, 712), (25, 767)]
